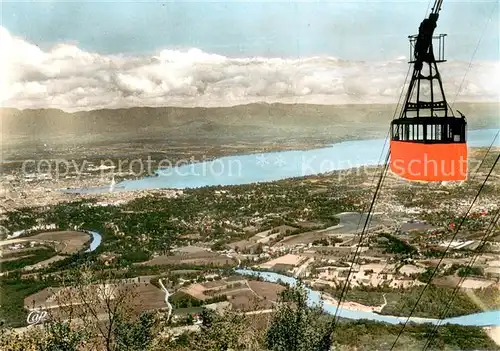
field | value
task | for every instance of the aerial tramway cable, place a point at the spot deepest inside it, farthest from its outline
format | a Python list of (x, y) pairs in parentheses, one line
[(444, 253), (428, 6), (487, 152), (328, 337), (474, 54), (474, 175), (426, 130), (386, 168), (489, 231), (327, 343), (385, 141)]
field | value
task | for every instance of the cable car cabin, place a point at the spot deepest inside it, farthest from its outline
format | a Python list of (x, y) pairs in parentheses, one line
[(429, 148), (427, 140)]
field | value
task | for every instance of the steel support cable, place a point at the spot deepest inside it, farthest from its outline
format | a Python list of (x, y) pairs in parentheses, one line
[(385, 140), (471, 263), (488, 232), (384, 170), (443, 255), (487, 152), (389, 130), (428, 6), (475, 174), (379, 185), (388, 134), (459, 90), (442, 316), (326, 344), (474, 54), (387, 137), (437, 6)]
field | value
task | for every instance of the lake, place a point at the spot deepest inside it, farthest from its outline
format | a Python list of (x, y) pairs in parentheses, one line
[(272, 166)]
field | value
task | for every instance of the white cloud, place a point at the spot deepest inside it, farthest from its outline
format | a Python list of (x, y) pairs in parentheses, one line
[(69, 78)]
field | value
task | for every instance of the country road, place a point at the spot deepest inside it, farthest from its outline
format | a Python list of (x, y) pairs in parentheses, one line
[(167, 295)]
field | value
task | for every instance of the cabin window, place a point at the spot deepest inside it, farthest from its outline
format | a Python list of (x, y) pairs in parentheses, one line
[(437, 132), (395, 132), (449, 131), (420, 132), (431, 132)]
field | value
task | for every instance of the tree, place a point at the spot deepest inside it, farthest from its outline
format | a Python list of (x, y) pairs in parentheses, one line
[(259, 249), (60, 336), (189, 319), (295, 326), (218, 246), (470, 271), (136, 335), (102, 306), (207, 317), (227, 332)]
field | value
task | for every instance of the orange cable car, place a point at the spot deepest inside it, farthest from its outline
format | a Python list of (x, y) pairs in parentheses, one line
[(427, 143)]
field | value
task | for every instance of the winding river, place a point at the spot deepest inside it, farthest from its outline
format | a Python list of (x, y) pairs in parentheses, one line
[(483, 319), (96, 240)]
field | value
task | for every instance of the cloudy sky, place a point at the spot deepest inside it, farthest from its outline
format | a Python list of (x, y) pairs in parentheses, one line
[(354, 30), (94, 54)]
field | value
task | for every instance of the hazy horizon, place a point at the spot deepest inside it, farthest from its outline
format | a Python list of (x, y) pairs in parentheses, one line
[(462, 104)]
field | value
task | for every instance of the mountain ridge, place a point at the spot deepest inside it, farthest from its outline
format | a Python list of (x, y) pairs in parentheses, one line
[(241, 122)]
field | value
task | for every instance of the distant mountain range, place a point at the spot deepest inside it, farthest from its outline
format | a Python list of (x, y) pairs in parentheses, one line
[(245, 123)]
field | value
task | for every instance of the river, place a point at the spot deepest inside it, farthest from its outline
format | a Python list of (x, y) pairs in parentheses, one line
[(272, 166), (482, 319), (96, 240)]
